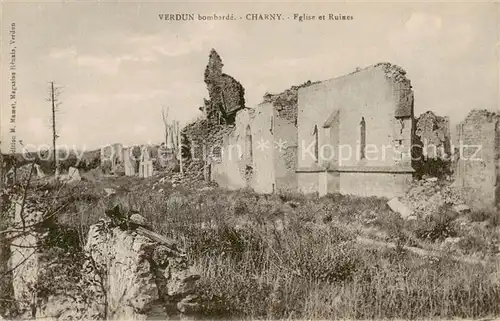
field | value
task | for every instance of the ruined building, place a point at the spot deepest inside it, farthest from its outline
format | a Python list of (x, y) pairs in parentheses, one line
[(261, 151), (433, 154), (236, 146), (297, 140), (478, 167), (434, 133), (111, 156), (355, 133), (227, 96), (200, 138)]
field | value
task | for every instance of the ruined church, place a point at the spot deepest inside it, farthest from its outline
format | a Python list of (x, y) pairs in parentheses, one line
[(355, 133), (350, 134)]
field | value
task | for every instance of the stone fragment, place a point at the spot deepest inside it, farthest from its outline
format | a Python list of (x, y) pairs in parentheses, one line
[(73, 175), (398, 207), (139, 220), (109, 191), (461, 208), (181, 282), (189, 304)]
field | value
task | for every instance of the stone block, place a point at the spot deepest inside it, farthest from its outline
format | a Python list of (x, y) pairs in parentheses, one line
[(397, 206)]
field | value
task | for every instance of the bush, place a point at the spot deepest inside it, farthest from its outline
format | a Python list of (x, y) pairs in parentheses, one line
[(493, 217), (437, 227)]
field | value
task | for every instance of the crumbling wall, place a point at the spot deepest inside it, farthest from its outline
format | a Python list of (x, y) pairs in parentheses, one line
[(375, 110), (434, 132), (433, 141), (284, 131), (285, 103), (248, 162), (234, 170), (265, 151), (111, 157), (202, 140), (477, 167), (226, 94)]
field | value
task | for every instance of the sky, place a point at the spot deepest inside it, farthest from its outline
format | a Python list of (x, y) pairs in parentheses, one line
[(118, 64)]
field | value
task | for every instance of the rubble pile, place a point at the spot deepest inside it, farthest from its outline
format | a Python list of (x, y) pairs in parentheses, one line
[(285, 103), (192, 179), (394, 72), (426, 197)]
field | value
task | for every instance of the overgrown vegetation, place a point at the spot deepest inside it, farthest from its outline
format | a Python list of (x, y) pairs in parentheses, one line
[(293, 256), (296, 256)]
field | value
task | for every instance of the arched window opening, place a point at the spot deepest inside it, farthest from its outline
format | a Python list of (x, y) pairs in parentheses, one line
[(362, 127), (248, 145)]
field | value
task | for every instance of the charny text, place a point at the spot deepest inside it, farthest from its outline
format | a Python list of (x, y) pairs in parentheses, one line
[(265, 16)]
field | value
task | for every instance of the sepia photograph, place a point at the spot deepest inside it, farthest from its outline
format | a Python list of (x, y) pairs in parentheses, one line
[(206, 160)]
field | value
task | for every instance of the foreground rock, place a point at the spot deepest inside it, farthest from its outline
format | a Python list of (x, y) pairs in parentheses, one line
[(124, 272), (138, 278)]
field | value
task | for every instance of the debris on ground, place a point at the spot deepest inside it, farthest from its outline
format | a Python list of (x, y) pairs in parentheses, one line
[(427, 196), (109, 191), (397, 206)]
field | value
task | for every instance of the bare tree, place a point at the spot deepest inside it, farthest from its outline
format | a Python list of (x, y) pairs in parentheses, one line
[(54, 94), (164, 116), (172, 135)]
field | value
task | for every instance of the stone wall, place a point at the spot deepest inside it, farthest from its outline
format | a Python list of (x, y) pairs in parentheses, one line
[(201, 141), (111, 156), (273, 127), (477, 169), (380, 184), (264, 152), (371, 107), (248, 162), (285, 108)]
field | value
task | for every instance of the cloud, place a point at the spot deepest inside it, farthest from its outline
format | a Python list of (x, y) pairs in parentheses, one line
[(431, 35), (423, 24), (63, 53), (116, 98), (145, 48), (102, 63), (189, 39)]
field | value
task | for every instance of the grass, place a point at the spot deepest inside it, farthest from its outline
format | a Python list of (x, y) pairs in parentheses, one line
[(313, 268)]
